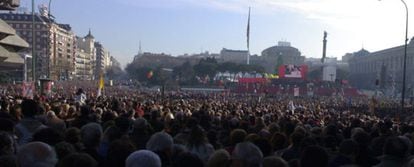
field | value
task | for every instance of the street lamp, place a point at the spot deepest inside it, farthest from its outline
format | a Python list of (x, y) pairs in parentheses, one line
[(405, 56), (33, 43), (25, 67)]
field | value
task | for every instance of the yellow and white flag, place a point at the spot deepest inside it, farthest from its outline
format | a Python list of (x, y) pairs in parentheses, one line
[(101, 85)]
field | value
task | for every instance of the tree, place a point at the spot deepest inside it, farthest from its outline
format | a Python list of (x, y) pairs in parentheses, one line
[(115, 72), (342, 74), (206, 67), (5, 77), (278, 63), (138, 73), (256, 68), (184, 73)]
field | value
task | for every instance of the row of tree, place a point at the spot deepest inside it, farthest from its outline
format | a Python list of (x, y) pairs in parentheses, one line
[(188, 74)]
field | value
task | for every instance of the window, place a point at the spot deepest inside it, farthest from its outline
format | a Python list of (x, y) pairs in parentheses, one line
[(60, 55)]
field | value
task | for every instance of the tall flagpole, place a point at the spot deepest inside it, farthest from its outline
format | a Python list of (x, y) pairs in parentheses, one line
[(248, 38), (34, 57)]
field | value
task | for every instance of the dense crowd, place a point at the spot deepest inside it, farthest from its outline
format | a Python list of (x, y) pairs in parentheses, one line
[(140, 129)]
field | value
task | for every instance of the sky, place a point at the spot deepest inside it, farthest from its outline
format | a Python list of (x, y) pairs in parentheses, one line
[(177, 27)]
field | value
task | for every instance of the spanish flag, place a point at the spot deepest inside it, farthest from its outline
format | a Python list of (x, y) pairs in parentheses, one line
[(150, 74), (101, 85)]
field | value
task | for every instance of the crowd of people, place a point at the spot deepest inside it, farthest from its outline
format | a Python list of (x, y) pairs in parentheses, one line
[(144, 129)]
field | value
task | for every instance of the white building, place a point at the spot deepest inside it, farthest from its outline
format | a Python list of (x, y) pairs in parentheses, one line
[(83, 67), (86, 45), (236, 56)]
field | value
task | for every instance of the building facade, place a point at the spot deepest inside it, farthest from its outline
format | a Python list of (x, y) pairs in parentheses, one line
[(54, 44), (384, 65), (62, 52), (83, 66), (102, 58), (235, 56), (283, 53), (86, 45), (11, 63)]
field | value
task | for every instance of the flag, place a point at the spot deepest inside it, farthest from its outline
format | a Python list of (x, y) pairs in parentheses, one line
[(248, 30), (295, 91), (101, 85), (291, 106), (150, 74)]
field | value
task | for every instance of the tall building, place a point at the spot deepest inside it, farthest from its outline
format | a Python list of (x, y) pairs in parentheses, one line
[(385, 65), (86, 45), (83, 66), (102, 56), (54, 43), (62, 52)]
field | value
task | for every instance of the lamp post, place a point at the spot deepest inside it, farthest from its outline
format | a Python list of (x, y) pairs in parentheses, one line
[(49, 10), (49, 55), (33, 43), (25, 67), (405, 56)]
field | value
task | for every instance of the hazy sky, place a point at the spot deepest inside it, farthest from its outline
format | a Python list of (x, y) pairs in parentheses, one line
[(191, 26)]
